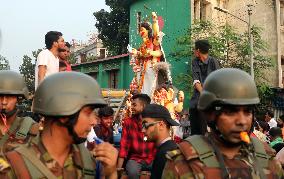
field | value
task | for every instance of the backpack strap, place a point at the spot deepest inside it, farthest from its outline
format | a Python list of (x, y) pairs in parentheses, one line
[(204, 150), (88, 169), (34, 164), (260, 153), (25, 127), (18, 165)]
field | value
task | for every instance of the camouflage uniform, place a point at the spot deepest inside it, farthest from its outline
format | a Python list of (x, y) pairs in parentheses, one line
[(185, 163), (72, 167), (32, 160), (201, 157), (18, 135), (22, 128)]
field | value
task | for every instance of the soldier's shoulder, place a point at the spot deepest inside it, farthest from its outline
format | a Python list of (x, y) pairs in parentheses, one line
[(185, 151)]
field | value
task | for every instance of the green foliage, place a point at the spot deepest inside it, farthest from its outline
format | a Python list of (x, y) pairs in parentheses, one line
[(113, 26), (4, 63), (91, 58), (27, 69), (72, 59), (266, 94), (230, 47)]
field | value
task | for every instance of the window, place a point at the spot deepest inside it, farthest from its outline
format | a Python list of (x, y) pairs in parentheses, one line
[(113, 79), (102, 53), (202, 9), (83, 57), (196, 10), (138, 18)]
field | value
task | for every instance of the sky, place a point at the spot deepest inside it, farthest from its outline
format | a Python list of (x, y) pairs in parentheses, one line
[(23, 24)]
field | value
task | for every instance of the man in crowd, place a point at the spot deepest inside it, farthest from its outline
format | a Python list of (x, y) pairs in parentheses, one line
[(269, 118), (228, 100), (47, 61), (156, 123), (69, 116), (13, 128), (138, 153), (64, 55), (104, 130), (276, 138), (202, 66)]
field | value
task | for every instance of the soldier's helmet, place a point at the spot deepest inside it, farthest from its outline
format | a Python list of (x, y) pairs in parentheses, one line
[(12, 83), (65, 93), (228, 86)]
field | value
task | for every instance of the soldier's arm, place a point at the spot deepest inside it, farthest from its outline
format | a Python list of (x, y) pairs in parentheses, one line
[(169, 171), (176, 166)]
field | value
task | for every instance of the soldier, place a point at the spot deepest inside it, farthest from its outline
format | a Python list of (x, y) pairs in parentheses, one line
[(13, 129), (227, 101), (67, 101)]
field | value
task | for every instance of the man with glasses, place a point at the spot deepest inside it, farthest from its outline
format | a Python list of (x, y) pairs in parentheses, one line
[(227, 101), (202, 65), (156, 123), (138, 153)]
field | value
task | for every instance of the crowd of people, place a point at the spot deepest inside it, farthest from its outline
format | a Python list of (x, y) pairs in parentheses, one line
[(74, 137)]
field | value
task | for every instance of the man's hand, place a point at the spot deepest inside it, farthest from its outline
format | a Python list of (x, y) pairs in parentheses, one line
[(198, 86), (107, 154)]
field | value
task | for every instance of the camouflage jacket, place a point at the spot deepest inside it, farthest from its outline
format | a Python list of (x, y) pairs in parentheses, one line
[(18, 168), (185, 164), (21, 130)]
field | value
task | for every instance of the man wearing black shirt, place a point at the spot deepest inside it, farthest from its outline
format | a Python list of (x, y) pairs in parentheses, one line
[(202, 66), (156, 124)]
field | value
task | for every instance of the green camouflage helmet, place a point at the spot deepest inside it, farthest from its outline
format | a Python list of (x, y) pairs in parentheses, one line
[(228, 86), (65, 93), (13, 83)]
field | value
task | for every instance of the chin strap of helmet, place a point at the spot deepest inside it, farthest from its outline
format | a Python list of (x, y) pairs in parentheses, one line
[(70, 127), (10, 113)]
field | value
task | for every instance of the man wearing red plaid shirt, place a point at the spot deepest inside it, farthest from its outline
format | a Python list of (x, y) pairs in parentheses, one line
[(138, 152)]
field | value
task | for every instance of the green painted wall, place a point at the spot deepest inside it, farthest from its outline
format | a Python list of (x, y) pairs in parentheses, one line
[(102, 69), (177, 17)]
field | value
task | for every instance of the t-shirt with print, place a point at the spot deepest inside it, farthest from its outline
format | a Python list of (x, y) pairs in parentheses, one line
[(47, 59)]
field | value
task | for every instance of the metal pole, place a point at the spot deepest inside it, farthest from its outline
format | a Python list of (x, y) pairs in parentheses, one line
[(250, 41)]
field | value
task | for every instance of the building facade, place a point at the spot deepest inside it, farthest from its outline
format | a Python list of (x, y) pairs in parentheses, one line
[(110, 72), (267, 14), (84, 52)]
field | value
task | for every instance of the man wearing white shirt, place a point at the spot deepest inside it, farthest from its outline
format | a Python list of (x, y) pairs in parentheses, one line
[(47, 60), (270, 120)]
